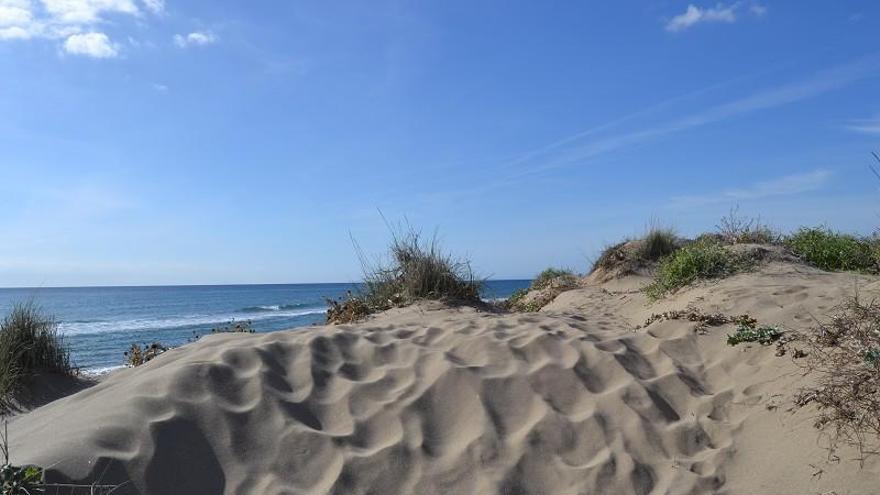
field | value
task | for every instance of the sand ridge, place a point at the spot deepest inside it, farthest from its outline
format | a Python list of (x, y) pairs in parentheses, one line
[(436, 400)]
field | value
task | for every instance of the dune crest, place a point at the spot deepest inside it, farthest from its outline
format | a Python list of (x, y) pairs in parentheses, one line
[(432, 400)]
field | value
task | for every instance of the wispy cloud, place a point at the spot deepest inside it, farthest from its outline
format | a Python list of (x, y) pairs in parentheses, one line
[(584, 146), (781, 186), (720, 13), (865, 126), (73, 22), (197, 38)]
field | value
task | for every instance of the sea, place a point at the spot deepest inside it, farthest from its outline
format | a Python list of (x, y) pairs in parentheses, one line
[(100, 323)]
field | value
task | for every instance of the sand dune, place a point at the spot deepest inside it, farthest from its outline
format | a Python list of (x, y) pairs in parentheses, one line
[(431, 400)]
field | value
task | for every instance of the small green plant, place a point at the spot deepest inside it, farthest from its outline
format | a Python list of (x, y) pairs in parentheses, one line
[(29, 344), (828, 250), (701, 259), (761, 335), (872, 356), (231, 327), (20, 480), (137, 355)]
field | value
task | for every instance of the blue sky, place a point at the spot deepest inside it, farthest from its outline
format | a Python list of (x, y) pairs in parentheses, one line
[(151, 142)]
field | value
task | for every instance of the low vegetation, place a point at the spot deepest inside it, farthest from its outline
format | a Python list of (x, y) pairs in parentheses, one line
[(419, 269), (630, 255), (845, 356), (137, 354), (543, 289), (823, 248), (750, 333), (29, 345), (737, 229), (702, 259)]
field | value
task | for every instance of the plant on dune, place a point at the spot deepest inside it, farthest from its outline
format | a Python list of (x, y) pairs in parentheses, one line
[(702, 259), (137, 355), (418, 269), (761, 335), (554, 277), (829, 250), (544, 288), (844, 354), (29, 344), (736, 229), (657, 243), (629, 255)]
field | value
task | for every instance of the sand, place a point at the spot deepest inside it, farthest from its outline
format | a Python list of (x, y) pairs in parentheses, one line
[(436, 400)]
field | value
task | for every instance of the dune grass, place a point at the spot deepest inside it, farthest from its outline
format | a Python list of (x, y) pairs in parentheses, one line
[(833, 251), (419, 269), (629, 255), (29, 344), (702, 259)]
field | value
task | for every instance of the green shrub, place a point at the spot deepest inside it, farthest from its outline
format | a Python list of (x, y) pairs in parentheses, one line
[(418, 270), (628, 256), (29, 344), (829, 250), (699, 260), (761, 335)]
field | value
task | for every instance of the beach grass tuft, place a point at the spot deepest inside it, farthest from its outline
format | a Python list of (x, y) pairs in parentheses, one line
[(29, 344), (418, 269)]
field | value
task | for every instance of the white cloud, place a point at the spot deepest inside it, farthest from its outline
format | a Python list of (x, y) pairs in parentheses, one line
[(198, 38), (781, 186), (694, 15), (95, 45), (161, 88), (865, 126), (155, 6), (86, 11), (73, 21), (586, 145)]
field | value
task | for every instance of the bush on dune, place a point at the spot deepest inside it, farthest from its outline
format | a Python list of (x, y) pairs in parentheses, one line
[(829, 250), (702, 259), (419, 269), (543, 289), (629, 255), (29, 345)]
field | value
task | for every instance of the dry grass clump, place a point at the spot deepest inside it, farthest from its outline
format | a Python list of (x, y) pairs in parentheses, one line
[(845, 356), (419, 269), (29, 344), (736, 229)]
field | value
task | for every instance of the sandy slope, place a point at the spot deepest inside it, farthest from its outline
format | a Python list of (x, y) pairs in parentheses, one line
[(428, 400)]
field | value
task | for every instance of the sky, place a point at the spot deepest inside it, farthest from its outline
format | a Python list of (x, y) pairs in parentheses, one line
[(200, 142)]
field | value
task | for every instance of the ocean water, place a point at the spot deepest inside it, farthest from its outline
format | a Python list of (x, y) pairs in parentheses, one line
[(100, 323)]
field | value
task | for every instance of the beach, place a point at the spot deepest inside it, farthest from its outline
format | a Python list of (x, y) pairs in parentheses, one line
[(580, 397)]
